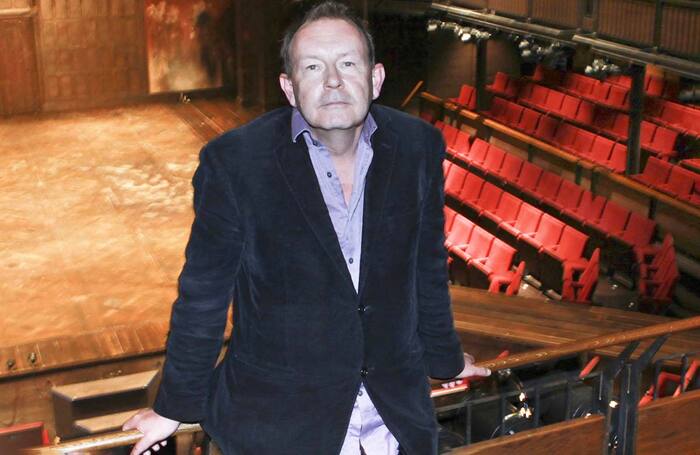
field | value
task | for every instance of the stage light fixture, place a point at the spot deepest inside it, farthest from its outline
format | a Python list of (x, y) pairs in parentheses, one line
[(433, 25)]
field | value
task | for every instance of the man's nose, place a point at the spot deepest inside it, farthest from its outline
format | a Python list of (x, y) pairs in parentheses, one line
[(333, 78)]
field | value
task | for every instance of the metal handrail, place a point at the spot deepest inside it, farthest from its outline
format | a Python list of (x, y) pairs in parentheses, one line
[(122, 438)]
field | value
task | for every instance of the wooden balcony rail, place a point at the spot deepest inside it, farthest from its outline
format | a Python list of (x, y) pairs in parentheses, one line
[(123, 438)]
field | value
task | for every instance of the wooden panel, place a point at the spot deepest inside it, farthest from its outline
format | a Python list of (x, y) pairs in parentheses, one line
[(627, 20), (510, 7), (563, 13), (14, 4), (670, 422), (470, 3), (580, 437), (18, 73), (680, 30), (93, 52)]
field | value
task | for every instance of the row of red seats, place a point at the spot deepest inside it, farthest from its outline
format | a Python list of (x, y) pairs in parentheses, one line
[(653, 86), (600, 92), (671, 179), (488, 260), (578, 141), (679, 117), (656, 139), (615, 228), (553, 250)]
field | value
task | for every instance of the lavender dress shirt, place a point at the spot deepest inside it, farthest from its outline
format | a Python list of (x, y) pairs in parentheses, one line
[(366, 428)]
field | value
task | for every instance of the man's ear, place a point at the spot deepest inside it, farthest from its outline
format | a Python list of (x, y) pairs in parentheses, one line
[(288, 89), (378, 75)]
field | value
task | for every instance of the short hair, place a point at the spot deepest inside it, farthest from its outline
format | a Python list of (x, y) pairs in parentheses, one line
[(325, 10)]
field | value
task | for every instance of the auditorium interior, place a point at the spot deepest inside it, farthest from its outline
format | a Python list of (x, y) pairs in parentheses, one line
[(572, 206)]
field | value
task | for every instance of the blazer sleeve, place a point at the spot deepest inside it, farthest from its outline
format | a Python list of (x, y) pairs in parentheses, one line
[(198, 320), (442, 348)]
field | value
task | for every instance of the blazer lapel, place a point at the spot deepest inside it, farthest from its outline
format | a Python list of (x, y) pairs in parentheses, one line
[(297, 169), (384, 144)]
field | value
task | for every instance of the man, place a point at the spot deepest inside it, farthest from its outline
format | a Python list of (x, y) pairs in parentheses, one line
[(324, 222)]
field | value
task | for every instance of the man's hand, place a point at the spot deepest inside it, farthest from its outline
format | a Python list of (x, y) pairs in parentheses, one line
[(469, 371), (155, 428)]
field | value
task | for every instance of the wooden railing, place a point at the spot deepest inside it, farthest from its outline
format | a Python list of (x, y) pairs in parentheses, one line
[(124, 438)]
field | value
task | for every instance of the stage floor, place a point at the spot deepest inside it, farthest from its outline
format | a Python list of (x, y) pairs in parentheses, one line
[(96, 208)]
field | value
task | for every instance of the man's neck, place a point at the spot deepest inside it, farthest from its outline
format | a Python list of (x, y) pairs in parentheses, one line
[(340, 143)]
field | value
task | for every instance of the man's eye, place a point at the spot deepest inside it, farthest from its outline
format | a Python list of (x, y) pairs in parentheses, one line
[(312, 67), (348, 64)]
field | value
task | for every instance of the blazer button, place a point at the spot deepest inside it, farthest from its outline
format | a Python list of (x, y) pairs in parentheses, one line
[(361, 309), (363, 372)]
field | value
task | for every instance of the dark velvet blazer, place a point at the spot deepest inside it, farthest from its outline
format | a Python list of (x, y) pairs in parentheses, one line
[(303, 339)]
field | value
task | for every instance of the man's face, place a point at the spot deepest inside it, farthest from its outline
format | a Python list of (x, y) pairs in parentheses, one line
[(331, 83)]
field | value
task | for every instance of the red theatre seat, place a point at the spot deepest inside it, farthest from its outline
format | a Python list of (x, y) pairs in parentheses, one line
[(528, 178), (513, 114), (498, 109), (664, 142), (565, 135), (547, 187), (478, 246), (585, 113), (590, 207), (449, 219), (531, 243), (488, 200), (498, 261), (601, 149), (493, 161), (511, 280), (581, 290), (505, 212), (500, 82), (455, 180), (471, 188), (582, 143), (554, 101), (618, 159), (680, 182), (527, 220), (620, 126), (612, 220), (547, 128), (656, 172), (460, 145), (569, 106), (565, 259), (528, 121), (449, 133), (478, 151), (467, 97), (568, 196), (510, 169), (636, 236), (460, 233)]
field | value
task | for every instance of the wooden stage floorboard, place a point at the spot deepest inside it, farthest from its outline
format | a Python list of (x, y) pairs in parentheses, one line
[(96, 209)]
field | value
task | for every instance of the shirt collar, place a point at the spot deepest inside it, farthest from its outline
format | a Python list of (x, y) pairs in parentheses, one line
[(299, 126)]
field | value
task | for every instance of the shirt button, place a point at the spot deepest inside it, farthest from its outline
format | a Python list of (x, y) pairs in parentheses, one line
[(351, 260), (359, 393), (363, 372), (329, 174)]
